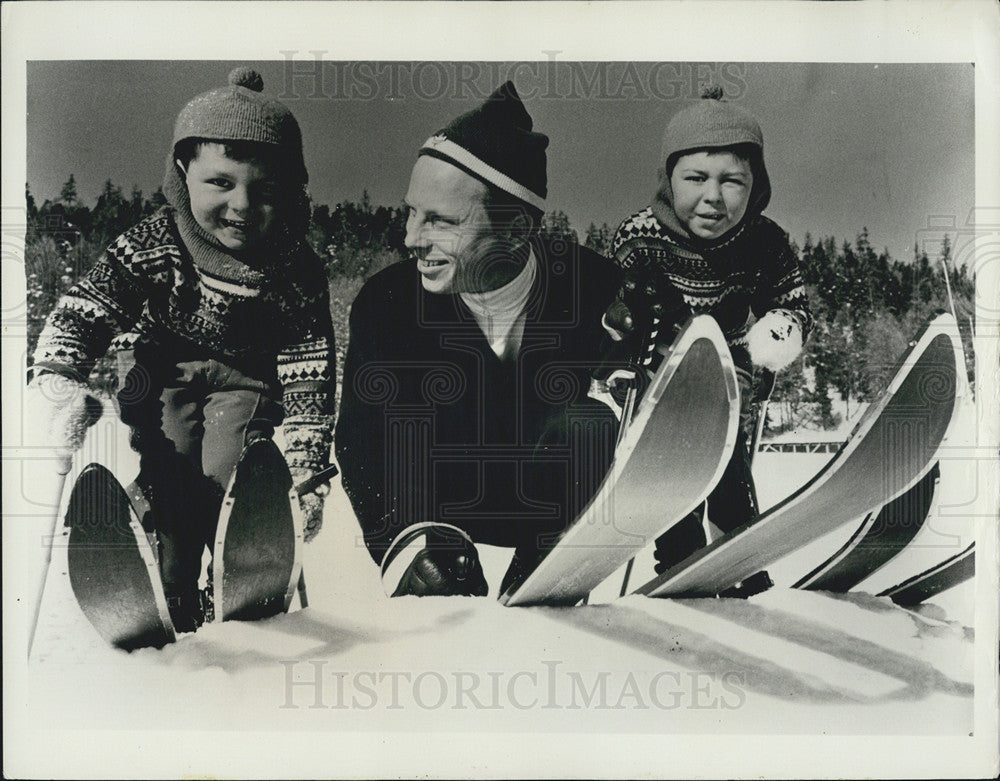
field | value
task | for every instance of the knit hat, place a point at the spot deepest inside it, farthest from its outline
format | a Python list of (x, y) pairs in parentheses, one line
[(240, 112), (712, 123), (495, 144)]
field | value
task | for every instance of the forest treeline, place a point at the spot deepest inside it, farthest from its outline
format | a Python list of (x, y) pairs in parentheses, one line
[(868, 306)]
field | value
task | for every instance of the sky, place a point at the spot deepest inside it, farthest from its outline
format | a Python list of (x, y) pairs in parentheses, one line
[(880, 145)]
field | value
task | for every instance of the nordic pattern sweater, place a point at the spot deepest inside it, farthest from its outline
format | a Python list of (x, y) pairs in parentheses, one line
[(736, 282), (273, 323)]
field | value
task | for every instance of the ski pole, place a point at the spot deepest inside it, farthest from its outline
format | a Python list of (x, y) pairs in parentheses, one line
[(947, 284), (311, 484), (62, 469), (628, 572), (645, 359)]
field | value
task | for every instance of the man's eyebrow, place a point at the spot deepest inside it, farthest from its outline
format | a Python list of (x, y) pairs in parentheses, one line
[(427, 212)]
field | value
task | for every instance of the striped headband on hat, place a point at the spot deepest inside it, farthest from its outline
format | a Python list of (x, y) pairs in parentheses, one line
[(495, 144)]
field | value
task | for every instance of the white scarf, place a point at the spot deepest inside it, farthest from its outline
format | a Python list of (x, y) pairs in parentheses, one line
[(501, 313)]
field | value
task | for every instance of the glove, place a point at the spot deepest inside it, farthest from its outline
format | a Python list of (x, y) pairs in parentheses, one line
[(310, 503), (61, 410), (642, 299), (646, 315), (775, 340), (443, 561)]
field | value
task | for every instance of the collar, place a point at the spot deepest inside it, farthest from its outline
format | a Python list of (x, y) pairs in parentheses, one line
[(509, 299), (501, 313)]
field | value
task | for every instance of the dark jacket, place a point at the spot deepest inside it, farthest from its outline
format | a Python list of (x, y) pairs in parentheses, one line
[(434, 427)]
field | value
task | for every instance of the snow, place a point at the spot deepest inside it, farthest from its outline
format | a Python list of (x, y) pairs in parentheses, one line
[(360, 672)]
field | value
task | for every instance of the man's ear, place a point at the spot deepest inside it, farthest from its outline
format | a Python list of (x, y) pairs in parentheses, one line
[(181, 168), (519, 227)]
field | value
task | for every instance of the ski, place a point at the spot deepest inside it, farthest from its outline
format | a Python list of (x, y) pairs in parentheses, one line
[(950, 572), (878, 538), (763, 387), (112, 567), (258, 544), (674, 451), (889, 450)]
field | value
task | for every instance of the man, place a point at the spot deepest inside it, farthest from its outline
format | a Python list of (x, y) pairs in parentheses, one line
[(464, 397)]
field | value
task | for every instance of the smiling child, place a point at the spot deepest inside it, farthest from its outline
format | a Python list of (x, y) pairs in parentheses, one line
[(223, 314), (703, 247)]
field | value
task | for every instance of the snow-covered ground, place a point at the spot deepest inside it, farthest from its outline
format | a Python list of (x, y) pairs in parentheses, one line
[(362, 685)]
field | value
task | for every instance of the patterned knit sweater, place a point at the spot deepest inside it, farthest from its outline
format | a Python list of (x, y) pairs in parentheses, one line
[(272, 322), (736, 282)]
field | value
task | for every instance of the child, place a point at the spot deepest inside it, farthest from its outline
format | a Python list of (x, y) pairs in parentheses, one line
[(229, 320), (703, 247)]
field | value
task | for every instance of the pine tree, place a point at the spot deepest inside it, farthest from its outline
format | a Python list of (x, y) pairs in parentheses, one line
[(67, 195), (111, 215), (31, 214), (157, 199), (555, 226), (599, 239)]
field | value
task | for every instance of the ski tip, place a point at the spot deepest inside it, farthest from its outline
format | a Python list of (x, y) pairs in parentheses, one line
[(703, 327), (944, 319), (97, 470), (699, 327), (943, 323)]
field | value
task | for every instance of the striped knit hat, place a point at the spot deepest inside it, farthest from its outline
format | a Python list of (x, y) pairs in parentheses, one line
[(239, 112), (495, 144)]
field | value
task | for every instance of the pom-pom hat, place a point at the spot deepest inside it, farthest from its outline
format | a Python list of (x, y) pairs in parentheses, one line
[(495, 144), (240, 112), (712, 123)]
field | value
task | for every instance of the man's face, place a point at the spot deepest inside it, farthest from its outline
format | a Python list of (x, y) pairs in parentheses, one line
[(449, 233)]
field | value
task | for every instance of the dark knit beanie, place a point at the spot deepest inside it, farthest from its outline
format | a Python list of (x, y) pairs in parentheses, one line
[(712, 123), (495, 144), (240, 112)]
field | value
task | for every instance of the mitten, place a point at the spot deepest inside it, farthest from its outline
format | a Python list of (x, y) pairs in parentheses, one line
[(59, 411), (775, 340), (435, 559), (310, 503)]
